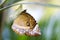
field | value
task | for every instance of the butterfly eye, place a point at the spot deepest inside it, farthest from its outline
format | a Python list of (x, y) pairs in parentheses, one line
[(28, 24)]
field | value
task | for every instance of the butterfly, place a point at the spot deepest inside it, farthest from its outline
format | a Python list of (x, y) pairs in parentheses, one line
[(25, 24)]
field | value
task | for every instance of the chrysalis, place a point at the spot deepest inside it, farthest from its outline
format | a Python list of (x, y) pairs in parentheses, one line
[(25, 24)]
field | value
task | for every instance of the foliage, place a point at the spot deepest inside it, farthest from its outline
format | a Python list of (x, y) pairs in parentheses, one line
[(49, 25)]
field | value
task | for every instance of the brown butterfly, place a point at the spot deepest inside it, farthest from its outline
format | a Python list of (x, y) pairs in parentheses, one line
[(25, 24)]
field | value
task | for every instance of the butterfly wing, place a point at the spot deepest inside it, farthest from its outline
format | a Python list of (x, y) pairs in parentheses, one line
[(25, 24), (35, 32), (17, 29)]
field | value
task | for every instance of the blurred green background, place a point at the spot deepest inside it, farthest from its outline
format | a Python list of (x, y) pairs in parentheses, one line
[(49, 22)]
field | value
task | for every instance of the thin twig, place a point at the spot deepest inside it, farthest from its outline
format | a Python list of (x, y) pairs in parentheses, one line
[(36, 3)]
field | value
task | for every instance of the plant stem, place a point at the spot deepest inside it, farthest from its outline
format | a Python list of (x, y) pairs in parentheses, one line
[(36, 3)]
